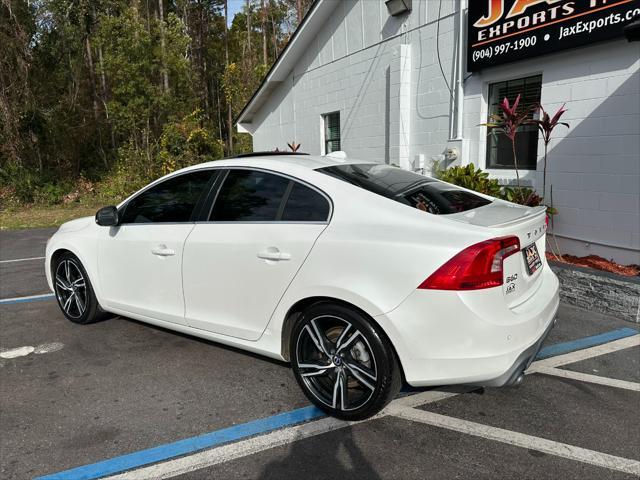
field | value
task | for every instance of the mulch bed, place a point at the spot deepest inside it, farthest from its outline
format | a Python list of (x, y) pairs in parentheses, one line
[(599, 263)]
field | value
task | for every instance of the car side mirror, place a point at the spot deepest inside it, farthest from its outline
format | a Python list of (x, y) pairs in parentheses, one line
[(107, 216)]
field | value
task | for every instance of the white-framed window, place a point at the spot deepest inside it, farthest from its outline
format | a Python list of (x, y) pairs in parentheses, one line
[(499, 148), (331, 129)]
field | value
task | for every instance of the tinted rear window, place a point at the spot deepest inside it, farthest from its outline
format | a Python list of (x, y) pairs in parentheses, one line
[(406, 187), (305, 205)]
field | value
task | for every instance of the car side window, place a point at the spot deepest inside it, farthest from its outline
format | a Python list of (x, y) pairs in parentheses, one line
[(305, 205), (249, 196), (173, 200), (256, 196)]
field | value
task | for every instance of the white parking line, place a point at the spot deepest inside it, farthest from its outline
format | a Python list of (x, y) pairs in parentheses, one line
[(22, 260), (586, 377), (558, 449), (403, 407)]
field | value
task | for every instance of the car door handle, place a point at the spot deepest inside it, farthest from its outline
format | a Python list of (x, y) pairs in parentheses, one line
[(274, 254), (163, 251)]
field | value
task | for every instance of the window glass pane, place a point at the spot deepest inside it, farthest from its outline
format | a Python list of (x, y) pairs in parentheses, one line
[(249, 196), (305, 205), (332, 132), (170, 201), (499, 149), (377, 178), (406, 187)]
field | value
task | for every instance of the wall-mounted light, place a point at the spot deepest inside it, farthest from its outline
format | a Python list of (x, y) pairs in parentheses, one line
[(398, 7)]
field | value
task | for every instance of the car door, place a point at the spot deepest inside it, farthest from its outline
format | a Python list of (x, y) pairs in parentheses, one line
[(140, 260), (239, 263)]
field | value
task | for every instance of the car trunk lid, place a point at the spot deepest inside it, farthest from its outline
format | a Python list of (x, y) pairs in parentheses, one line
[(522, 272)]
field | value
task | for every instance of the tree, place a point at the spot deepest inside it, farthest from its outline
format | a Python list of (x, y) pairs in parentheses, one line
[(93, 88)]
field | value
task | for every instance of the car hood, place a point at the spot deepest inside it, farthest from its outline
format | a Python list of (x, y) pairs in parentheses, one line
[(76, 225)]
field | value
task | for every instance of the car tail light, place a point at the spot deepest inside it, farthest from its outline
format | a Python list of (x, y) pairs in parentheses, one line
[(475, 267)]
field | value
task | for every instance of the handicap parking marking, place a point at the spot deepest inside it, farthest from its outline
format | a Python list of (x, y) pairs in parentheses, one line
[(188, 445), (245, 439), (30, 298), (586, 342), (22, 260), (628, 341), (243, 448)]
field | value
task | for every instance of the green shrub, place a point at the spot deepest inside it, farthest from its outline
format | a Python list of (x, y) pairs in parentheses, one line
[(132, 171), (523, 195), (187, 142), (18, 183), (476, 179), (470, 177), (21, 186)]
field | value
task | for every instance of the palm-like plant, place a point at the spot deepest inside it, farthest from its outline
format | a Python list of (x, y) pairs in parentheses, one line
[(509, 121), (546, 125)]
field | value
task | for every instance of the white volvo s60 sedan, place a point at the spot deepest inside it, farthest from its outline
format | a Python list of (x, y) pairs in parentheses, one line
[(361, 275)]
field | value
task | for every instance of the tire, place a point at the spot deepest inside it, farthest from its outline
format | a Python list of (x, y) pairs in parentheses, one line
[(344, 364), (74, 292)]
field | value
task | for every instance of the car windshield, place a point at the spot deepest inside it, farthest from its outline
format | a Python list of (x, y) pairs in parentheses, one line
[(406, 187)]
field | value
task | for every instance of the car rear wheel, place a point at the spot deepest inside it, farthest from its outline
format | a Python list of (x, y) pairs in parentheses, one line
[(73, 290), (343, 362)]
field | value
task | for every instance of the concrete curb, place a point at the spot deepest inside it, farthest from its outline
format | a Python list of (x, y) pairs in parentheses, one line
[(599, 291)]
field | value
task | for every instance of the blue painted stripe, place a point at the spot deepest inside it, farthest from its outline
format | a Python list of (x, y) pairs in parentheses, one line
[(187, 446), (32, 298), (238, 432), (586, 342)]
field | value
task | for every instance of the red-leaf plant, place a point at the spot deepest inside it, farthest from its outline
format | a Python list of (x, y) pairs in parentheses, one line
[(546, 125), (509, 121), (293, 146)]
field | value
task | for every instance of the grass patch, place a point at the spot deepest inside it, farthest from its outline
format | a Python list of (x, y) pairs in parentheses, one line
[(34, 216)]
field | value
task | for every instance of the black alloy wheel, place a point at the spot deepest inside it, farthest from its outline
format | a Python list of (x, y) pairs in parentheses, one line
[(343, 362), (73, 290)]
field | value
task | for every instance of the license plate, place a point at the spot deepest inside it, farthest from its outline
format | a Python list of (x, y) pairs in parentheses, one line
[(532, 258)]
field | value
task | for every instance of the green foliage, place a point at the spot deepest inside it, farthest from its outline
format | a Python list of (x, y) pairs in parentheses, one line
[(470, 177), (117, 92), (187, 142), (476, 179), (19, 185), (133, 62), (522, 195)]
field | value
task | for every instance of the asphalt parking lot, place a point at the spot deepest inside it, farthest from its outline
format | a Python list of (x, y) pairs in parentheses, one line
[(121, 399)]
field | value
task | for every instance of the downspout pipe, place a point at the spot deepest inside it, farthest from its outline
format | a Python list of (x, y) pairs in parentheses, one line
[(460, 70)]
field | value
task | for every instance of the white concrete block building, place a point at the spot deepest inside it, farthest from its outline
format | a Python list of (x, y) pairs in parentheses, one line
[(400, 89)]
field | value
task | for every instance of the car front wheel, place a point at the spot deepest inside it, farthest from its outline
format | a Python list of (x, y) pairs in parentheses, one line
[(73, 290), (343, 362)]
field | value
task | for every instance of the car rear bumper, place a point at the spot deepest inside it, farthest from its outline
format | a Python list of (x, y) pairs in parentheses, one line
[(514, 375), (445, 338)]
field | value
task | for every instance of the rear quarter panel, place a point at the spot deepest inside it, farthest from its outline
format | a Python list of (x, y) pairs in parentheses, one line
[(374, 252)]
